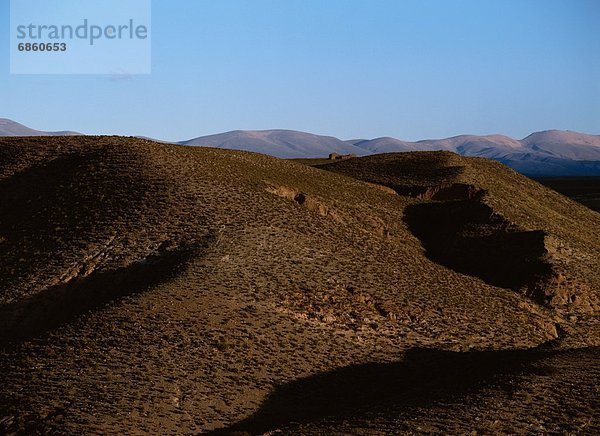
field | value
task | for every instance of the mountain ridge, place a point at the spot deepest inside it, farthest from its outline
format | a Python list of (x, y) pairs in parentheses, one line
[(549, 152), (12, 128), (278, 142), (544, 153)]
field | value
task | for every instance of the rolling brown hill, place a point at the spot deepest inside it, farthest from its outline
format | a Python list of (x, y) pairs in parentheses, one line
[(153, 288)]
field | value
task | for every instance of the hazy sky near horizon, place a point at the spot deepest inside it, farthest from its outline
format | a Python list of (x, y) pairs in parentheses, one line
[(412, 69)]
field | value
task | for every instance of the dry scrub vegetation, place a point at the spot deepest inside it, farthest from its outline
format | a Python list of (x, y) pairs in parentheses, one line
[(153, 288)]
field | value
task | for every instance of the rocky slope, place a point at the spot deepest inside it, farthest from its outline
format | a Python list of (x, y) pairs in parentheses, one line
[(154, 288)]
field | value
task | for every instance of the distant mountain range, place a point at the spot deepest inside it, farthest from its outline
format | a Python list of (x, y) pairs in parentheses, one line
[(547, 153), (12, 128), (280, 143), (553, 152)]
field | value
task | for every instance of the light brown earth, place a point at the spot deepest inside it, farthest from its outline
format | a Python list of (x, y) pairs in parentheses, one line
[(148, 288)]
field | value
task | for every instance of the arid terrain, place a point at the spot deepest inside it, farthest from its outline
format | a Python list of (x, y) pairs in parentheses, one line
[(585, 190), (550, 153), (151, 288)]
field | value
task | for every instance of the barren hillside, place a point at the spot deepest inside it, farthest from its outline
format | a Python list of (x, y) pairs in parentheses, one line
[(154, 288)]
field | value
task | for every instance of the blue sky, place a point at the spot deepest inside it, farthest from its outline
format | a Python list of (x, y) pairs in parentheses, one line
[(411, 69)]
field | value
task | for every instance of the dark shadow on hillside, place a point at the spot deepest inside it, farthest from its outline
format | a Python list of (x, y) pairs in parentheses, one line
[(585, 190), (441, 192), (400, 170), (59, 199), (427, 168), (423, 378), (468, 237), (58, 305)]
